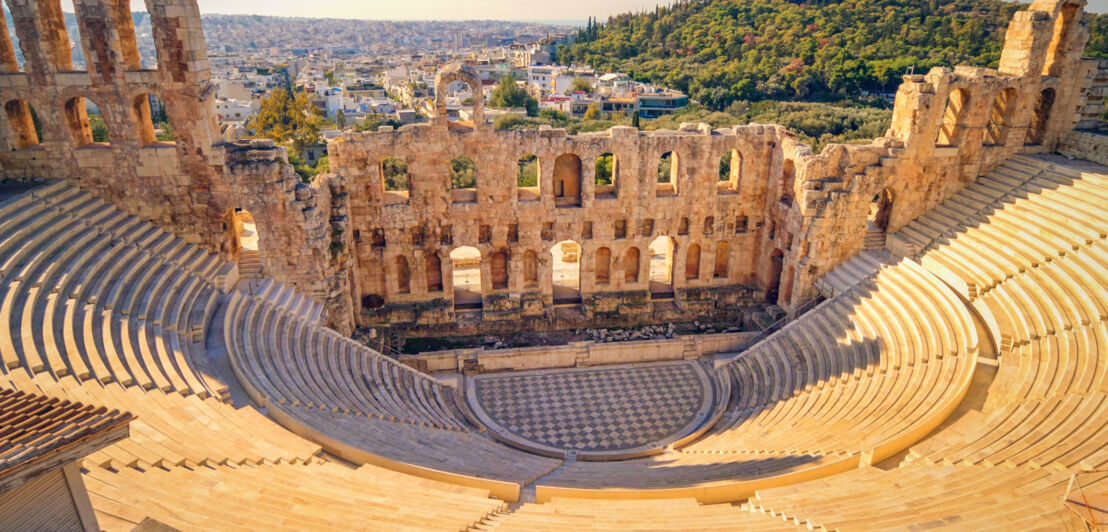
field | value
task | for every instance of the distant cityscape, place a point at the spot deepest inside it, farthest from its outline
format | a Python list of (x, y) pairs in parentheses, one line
[(354, 70)]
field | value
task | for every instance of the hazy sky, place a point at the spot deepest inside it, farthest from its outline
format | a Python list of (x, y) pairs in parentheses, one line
[(572, 10)]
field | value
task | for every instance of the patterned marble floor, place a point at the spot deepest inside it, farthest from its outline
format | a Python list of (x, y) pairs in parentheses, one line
[(594, 409)]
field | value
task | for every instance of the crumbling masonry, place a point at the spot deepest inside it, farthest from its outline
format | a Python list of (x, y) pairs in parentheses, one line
[(779, 219)]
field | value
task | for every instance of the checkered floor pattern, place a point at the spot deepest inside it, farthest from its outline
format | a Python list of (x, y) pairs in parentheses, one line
[(600, 409)]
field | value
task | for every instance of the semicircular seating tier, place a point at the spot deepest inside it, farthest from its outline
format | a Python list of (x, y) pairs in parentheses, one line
[(1028, 251), (101, 307), (857, 379), (363, 405)]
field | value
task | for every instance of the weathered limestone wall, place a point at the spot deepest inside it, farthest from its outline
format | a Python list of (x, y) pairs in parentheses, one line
[(189, 185), (1096, 95), (1087, 145), (784, 216)]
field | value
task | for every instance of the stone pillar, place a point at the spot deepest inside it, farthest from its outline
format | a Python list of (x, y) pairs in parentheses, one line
[(8, 62), (42, 38), (100, 41), (179, 39)]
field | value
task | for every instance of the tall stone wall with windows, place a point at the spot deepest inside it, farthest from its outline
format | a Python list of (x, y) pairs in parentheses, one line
[(747, 214)]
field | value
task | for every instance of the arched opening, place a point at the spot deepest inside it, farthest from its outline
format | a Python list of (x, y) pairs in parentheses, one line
[(607, 172), (530, 269), (692, 262), (566, 272), (433, 271), (603, 266), (527, 178), (460, 97), (240, 224), (22, 124), (730, 172), (631, 266), (466, 268), (788, 182), (709, 225), (957, 107), (124, 23), (498, 270), (683, 226), (403, 275), (463, 180), (1037, 129), (773, 285), (394, 180), (86, 125), (1003, 105), (567, 180), (661, 250), (667, 174), (1060, 42), (9, 63), (723, 259), (880, 208), (144, 120)]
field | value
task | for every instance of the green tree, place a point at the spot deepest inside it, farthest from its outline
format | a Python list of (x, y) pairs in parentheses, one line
[(340, 119), (579, 85), (99, 128), (288, 119), (592, 113), (636, 121), (508, 94), (395, 172), (463, 172), (605, 165), (528, 173)]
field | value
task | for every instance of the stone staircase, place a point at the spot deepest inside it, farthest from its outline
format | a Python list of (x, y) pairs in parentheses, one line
[(875, 238), (250, 264), (856, 269)]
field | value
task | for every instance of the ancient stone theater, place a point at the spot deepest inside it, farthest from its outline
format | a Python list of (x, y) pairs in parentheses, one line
[(919, 333)]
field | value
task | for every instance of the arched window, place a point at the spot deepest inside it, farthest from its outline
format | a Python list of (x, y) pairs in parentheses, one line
[(530, 269), (22, 124), (434, 272), (9, 63), (730, 171), (661, 251), (1003, 105), (1037, 129), (403, 275), (692, 262), (667, 174), (144, 122), (953, 125), (527, 178), (631, 266), (788, 182), (723, 258), (395, 180), (683, 226), (1060, 42), (86, 125), (567, 180), (463, 179), (124, 23), (709, 225), (603, 265), (498, 270), (607, 172)]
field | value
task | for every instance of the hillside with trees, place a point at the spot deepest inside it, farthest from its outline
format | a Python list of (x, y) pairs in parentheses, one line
[(723, 51)]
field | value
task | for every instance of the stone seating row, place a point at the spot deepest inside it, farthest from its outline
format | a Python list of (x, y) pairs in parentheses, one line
[(853, 361), (356, 402), (90, 291), (295, 362), (297, 303), (920, 497), (561, 514), (1021, 234), (319, 495), (1057, 433), (860, 377), (172, 430)]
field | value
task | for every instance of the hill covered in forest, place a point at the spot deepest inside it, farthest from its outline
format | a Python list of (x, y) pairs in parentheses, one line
[(721, 51)]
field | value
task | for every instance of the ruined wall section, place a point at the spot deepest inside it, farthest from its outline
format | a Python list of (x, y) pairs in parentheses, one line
[(190, 185), (1092, 115), (499, 217)]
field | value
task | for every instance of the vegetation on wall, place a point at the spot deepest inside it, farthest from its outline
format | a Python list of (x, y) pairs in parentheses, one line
[(287, 118), (722, 51)]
